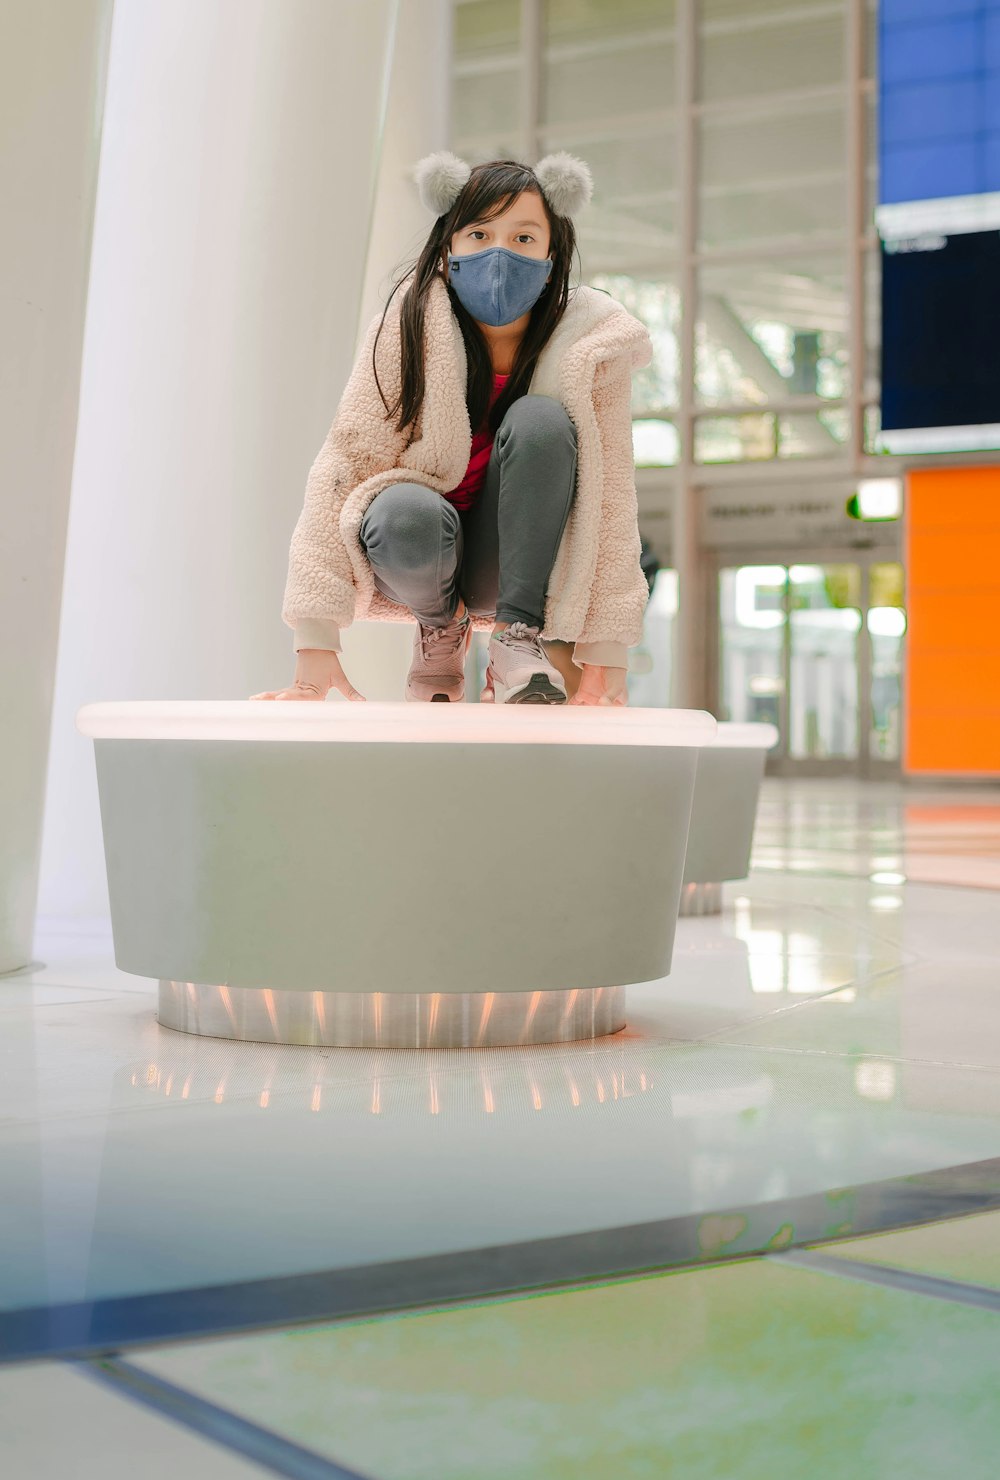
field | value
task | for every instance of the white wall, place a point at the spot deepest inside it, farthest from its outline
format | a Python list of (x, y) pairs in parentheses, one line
[(236, 178), (53, 61)]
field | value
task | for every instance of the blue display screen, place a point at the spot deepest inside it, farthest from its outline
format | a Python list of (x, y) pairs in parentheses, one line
[(939, 97)]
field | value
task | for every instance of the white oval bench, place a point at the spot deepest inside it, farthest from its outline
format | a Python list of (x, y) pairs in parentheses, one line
[(393, 874), (726, 793)]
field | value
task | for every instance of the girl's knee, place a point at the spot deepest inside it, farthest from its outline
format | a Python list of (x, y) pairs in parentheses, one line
[(411, 518), (542, 414)]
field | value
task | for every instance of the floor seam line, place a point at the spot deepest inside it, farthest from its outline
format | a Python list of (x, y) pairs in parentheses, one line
[(218, 1425), (806, 1001), (863, 878), (913, 1282), (829, 1053)]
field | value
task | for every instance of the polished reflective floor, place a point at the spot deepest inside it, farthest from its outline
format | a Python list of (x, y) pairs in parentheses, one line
[(815, 1084)]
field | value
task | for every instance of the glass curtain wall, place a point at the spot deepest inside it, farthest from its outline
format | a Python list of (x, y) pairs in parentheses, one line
[(733, 151), (732, 147)]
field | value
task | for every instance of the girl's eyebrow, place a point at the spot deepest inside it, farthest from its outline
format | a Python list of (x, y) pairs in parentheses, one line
[(513, 223)]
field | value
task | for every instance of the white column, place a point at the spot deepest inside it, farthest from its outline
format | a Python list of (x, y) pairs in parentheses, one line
[(53, 63), (417, 122), (688, 679), (237, 175), (377, 655)]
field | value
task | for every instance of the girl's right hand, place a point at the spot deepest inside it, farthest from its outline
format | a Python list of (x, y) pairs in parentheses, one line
[(317, 671)]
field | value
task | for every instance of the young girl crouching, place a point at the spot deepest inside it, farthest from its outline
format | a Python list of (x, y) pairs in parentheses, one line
[(479, 472)]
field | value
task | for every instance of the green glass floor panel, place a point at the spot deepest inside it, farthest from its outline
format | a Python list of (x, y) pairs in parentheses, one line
[(745, 1371), (964, 1249)]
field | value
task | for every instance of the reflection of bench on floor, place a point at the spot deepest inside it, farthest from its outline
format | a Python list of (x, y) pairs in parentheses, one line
[(393, 874), (727, 789)]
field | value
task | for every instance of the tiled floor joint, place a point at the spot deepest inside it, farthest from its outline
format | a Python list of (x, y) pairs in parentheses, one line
[(263, 1446), (912, 1282)]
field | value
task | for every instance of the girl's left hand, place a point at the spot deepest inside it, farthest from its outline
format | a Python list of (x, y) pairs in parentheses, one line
[(602, 686)]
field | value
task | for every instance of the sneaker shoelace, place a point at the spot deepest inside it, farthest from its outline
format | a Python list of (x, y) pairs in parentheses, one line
[(442, 641), (522, 639)]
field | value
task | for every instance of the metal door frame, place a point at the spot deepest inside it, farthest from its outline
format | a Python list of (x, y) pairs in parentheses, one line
[(866, 766)]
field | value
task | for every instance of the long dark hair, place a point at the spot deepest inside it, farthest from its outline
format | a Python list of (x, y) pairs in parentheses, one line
[(489, 191)]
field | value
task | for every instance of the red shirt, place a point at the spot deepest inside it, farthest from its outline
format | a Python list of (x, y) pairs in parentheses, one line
[(464, 496)]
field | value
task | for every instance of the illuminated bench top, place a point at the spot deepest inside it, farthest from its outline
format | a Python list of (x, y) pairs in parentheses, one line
[(437, 724), (744, 737)]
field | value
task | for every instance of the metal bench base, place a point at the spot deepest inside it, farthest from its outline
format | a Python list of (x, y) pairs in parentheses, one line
[(391, 1019), (701, 899)]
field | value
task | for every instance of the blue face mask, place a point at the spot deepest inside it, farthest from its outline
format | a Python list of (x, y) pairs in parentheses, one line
[(497, 285)]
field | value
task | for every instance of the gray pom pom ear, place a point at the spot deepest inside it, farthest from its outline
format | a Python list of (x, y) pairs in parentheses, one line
[(440, 178), (566, 182)]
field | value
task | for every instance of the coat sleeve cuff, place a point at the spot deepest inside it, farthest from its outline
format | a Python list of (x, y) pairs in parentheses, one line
[(317, 632), (601, 654)]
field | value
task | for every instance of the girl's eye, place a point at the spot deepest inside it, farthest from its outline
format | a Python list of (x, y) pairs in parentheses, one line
[(527, 235), (477, 233)]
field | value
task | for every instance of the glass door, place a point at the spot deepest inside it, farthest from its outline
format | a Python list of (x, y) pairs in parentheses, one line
[(817, 650), (824, 620), (885, 626), (752, 639)]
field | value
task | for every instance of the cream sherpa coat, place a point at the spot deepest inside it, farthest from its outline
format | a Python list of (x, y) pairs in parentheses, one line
[(597, 591)]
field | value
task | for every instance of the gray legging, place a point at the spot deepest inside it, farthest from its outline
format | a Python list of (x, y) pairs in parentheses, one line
[(499, 554)]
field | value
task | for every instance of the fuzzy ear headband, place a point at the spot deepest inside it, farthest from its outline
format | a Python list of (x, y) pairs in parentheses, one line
[(565, 181)]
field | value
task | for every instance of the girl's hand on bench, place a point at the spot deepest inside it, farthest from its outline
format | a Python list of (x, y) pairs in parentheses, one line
[(316, 673), (602, 686)]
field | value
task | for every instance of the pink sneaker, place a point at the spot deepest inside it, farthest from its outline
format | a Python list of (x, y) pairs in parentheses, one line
[(437, 672)]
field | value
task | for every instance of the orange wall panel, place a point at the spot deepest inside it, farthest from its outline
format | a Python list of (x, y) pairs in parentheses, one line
[(948, 677), (943, 550), (974, 744), (964, 620), (952, 555)]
